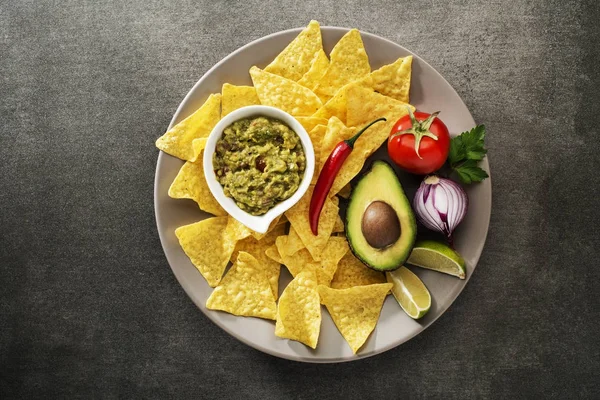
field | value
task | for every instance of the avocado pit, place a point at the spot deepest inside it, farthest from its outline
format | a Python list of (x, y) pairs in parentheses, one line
[(380, 225)]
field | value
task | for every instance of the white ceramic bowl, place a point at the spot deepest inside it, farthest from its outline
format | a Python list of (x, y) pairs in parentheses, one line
[(257, 223)]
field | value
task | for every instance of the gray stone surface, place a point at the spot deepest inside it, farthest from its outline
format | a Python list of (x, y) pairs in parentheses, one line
[(88, 305)]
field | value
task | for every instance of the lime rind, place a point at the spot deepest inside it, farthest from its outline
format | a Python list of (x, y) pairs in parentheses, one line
[(410, 292), (438, 257)]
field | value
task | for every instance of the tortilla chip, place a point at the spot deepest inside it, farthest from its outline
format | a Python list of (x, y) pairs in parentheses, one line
[(336, 132), (352, 272), (345, 191), (177, 141), (235, 231), (190, 184), (309, 123), (336, 106), (393, 80), (287, 95), (257, 248), (334, 251), (339, 225), (349, 62), (317, 70), (364, 106), (273, 254), (296, 59), (316, 137), (211, 260), (280, 220), (291, 243), (244, 291), (299, 310), (355, 311), (298, 217), (295, 263), (235, 97)]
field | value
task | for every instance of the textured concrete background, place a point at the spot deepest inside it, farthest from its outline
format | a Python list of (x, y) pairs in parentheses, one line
[(88, 304)]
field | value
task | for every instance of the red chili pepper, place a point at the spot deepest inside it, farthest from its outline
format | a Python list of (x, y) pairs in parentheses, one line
[(327, 176)]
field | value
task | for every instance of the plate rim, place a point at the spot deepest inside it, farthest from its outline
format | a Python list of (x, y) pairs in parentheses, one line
[(360, 356)]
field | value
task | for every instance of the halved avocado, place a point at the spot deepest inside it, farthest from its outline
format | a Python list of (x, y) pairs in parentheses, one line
[(380, 224)]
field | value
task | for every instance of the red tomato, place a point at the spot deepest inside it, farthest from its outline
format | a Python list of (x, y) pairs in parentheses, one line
[(430, 154)]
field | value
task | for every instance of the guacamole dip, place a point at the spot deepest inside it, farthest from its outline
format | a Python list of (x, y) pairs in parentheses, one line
[(260, 162)]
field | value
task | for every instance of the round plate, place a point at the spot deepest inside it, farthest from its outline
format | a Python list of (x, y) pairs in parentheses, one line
[(429, 92)]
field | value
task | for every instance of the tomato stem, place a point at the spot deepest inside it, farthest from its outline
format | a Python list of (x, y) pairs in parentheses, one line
[(419, 129)]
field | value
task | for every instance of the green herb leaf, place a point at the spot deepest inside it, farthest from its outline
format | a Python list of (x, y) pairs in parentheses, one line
[(465, 150), (469, 172)]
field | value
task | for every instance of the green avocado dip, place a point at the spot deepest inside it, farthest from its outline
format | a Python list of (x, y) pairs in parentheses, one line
[(260, 162)]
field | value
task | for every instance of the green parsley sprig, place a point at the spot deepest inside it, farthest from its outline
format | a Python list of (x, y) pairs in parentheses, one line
[(466, 150)]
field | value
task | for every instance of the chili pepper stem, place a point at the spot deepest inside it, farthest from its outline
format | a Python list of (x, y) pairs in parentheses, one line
[(353, 139)]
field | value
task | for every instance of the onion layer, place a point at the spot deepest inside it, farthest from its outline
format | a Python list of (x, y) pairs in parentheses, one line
[(440, 204)]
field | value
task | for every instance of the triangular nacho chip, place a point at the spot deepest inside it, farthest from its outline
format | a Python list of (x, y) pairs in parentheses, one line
[(177, 141), (336, 106), (296, 59), (336, 132), (352, 272), (355, 311), (287, 95), (299, 310), (318, 67), (191, 184), (298, 217), (348, 62), (393, 80), (257, 248), (309, 123), (244, 291), (364, 106), (211, 260), (235, 97)]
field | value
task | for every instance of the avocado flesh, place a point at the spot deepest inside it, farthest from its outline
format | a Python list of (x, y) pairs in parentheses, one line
[(380, 183)]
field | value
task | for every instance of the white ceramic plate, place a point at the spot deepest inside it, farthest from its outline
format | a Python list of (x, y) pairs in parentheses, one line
[(429, 92)]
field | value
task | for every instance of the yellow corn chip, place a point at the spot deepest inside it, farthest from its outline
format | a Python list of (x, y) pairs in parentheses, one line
[(299, 310), (291, 243), (280, 220), (345, 191), (318, 67), (244, 291), (334, 251), (273, 254), (295, 60), (235, 231), (339, 225), (336, 132), (190, 184), (177, 141), (295, 263), (355, 311), (349, 62), (309, 123), (364, 106), (352, 272), (316, 137), (393, 80), (257, 248), (336, 106), (287, 95), (235, 97), (198, 146), (298, 217), (211, 260)]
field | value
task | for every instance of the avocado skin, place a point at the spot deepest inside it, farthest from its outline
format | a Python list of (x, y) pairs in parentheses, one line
[(380, 182)]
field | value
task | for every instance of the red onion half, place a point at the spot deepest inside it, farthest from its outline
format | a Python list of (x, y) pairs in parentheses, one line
[(440, 204)]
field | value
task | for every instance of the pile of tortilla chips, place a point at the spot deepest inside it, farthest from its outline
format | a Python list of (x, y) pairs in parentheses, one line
[(332, 97)]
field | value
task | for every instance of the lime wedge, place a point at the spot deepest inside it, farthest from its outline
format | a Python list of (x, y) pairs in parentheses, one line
[(438, 257), (410, 292)]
